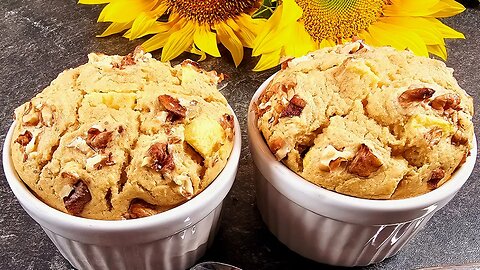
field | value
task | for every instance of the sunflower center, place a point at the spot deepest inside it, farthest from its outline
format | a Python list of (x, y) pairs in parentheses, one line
[(212, 11), (337, 19)]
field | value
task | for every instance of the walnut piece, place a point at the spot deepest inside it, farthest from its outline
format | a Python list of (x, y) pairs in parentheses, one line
[(80, 144), (364, 163), (275, 145), (284, 64), (435, 178), (25, 138), (446, 101), (70, 175), (334, 164), (47, 116), (173, 106), (140, 208), (191, 63), (185, 186), (127, 60), (98, 161), (97, 139), (294, 107), (459, 139), (78, 198), (227, 121), (415, 95), (31, 116), (330, 158), (288, 84), (161, 159), (433, 136)]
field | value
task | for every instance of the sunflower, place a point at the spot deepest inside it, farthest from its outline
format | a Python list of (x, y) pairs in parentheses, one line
[(300, 26), (190, 25)]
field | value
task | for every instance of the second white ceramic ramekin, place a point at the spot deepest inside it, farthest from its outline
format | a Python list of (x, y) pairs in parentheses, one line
[(332, 228)]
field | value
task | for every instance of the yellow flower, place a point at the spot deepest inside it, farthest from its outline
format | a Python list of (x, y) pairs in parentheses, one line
[(300, 26), (194, 26)]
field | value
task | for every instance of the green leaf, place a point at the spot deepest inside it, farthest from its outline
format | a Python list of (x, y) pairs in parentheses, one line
[(266, 10)]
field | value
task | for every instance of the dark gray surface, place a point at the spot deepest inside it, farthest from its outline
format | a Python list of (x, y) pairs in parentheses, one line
[(39, 39)]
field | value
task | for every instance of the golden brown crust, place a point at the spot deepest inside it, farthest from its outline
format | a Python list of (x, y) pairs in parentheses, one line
[(123, 137), (368, 122)]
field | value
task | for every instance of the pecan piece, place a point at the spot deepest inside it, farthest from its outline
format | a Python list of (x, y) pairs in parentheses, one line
[(356, 49), (294, 107), (415, 95), (173, 106), (31, 116), (191, 63), (127, 60), (73, 176), (97, 139), (276, 144), (227, 121), (435, 178), (140, 208), (161, 159), (284, 64), (446, 101), (459, 139), (25, 138), (334, 164), (78, 198), (364, 163), (288, 84), (98, 161), (433, 136)]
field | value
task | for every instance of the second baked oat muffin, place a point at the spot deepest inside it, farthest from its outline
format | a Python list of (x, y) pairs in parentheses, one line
[(123, 137), (368, 122)]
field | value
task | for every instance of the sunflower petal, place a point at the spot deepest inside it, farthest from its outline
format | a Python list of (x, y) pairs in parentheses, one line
[(156, 42), (446, 31), (246, 29), (159, 10), (421, 26), (326, 43), (228, 38), (115, 28), (447, 8), (292, 14), (206, 40), (438, 50), (115, 10), (178, 42), (268, 60), (424, 8), (398, 37), (269, 32), (365, 36), (141, 25), (196, 51), (297, 49)]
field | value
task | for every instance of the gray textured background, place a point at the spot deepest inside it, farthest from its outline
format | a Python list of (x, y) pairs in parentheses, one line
[(39, 39)]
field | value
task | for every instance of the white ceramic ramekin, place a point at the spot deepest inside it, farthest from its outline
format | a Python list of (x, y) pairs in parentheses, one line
[(332, 228), (174, 239)]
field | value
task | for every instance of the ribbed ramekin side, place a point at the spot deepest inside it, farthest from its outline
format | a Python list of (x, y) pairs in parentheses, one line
[(327, 240), (179, 251)]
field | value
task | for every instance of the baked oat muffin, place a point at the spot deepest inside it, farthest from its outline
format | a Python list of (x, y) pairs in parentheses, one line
[(123, 137), (373, 123)]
